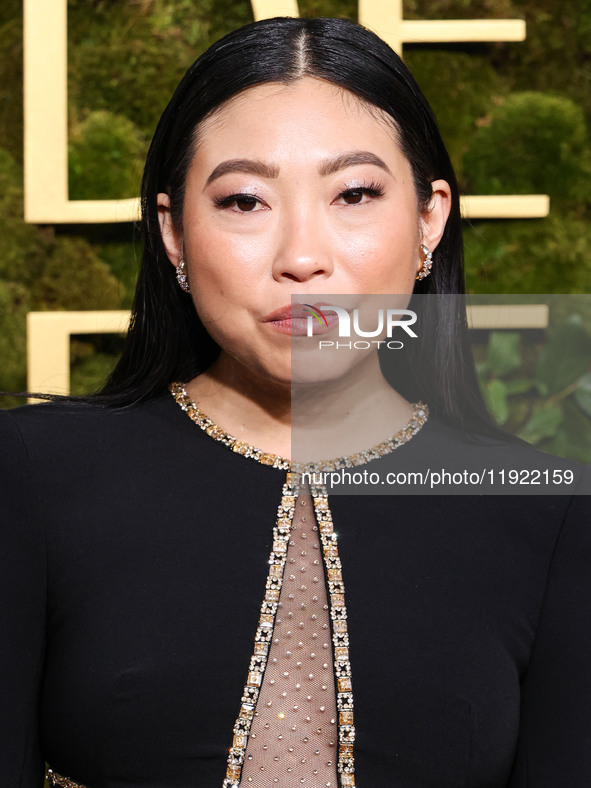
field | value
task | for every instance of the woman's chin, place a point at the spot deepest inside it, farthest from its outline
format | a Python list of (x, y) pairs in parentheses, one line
[(325, 367), (302, 366)]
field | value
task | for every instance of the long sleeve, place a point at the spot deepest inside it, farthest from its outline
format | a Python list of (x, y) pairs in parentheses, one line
[(22, 615), (469, 617), (554, 747)]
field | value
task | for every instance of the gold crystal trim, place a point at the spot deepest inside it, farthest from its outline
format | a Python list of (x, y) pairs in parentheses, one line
[(264, 633), (340, 637), (277, 561), (419, 417), (56, 780)]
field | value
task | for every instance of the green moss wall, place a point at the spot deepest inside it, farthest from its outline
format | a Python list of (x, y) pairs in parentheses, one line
[(514, 115)]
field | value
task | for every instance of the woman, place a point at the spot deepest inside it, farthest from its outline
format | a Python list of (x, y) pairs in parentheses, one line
[(296, 158)]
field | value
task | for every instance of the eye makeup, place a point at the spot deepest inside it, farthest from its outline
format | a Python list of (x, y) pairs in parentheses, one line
[(246, 202)]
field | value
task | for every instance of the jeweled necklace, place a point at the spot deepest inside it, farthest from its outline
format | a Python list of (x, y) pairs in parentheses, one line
[(419, 416), (277, 561)]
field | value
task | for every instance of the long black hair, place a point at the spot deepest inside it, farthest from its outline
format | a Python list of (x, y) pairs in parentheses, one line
[(166, 340)]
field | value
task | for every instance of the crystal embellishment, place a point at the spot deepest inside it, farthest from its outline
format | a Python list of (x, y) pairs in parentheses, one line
[(419, 417), (277, 562), (57, 781)]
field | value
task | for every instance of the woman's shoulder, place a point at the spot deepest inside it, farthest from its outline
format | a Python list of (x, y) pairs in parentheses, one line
[(45, 413), (47, 427), (75, 450), (491, 463), (444, 438)]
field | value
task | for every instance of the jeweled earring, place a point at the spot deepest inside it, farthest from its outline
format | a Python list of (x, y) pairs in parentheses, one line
[(427, 263), (181, 276)]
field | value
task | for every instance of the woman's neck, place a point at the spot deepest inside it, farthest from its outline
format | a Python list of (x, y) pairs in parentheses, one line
[(310, 421)]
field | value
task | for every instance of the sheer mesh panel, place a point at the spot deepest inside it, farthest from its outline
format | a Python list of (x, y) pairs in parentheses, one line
[(294, 735)]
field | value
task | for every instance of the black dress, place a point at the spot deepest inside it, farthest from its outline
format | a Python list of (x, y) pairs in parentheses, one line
[(134, 555)]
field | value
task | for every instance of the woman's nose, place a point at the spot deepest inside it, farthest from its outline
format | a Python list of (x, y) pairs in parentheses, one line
[(303, 251)]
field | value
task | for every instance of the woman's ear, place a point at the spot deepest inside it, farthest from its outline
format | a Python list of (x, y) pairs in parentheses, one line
[(170, 237), (434, 217)]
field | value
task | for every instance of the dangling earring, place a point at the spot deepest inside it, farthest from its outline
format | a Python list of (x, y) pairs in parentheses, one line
[(181, 276), (425, 268)]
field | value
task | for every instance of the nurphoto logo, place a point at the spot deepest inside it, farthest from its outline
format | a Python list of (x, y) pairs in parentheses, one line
[(348, 323)]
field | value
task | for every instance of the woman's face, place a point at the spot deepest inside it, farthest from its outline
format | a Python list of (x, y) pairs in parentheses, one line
[(295, 190)]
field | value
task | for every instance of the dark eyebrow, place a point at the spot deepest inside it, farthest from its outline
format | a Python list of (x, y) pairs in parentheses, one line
[(350, 160), (255, 167), (250, 166)]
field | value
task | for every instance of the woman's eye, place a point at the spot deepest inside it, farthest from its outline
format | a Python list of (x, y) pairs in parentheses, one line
[(244, 203), (248, 203), (355, 196)]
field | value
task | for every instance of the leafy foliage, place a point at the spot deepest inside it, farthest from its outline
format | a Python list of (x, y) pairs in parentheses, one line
[(551, 255), (41, 270), (141, 51), (533, 143), (546, 400), (555, 56), (514, 117), (106, 156), (73, 276), (462, 9), (88, 374), (457, 106), (14, 305), (11, 80)]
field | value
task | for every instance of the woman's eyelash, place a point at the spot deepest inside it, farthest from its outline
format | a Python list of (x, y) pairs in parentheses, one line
[(373, 189), (226, 202)]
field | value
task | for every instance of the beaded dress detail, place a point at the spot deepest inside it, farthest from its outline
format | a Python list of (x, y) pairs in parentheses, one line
[(295, 725), (294, 731)]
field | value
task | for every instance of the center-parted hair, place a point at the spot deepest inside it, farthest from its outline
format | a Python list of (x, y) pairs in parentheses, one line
[(167, 340)]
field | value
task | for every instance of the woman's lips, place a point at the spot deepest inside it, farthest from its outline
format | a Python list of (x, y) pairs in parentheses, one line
[(293, 319)]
